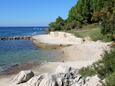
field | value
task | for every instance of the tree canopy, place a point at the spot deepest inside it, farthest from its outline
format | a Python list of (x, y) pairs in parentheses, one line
[(88, 12)]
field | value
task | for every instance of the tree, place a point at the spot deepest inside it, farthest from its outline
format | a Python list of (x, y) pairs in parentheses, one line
[(81, 12), (57, 25), (108, 20), (87, 12)]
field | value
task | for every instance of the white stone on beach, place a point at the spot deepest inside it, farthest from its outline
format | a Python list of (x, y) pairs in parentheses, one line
[(93, 81), (59, 81), (23, 76), (68, 77), (35, 81), (49, 80)]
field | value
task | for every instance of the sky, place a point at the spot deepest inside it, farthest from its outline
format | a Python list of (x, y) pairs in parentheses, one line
[(33, 12)]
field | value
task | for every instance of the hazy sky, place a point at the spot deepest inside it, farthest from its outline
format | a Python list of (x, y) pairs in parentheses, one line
[(32, 12)]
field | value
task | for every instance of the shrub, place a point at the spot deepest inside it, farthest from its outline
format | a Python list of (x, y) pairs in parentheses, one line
[(106, 66), (87, 71), (110, 80), (102, 68)]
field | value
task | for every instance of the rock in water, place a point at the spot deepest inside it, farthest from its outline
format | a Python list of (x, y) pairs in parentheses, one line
[(35, 81), (23, 76)]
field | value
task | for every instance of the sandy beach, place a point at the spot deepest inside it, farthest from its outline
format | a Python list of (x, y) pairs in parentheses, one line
[(79, 54)]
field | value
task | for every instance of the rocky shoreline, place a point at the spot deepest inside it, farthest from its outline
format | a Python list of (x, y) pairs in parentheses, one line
[(65, 73), (16, 38), (63, 76)]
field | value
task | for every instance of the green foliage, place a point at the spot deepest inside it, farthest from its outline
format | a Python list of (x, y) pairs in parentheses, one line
[(89, 71), (87, 12), (108, 19), (104, 68), (73, 25), (93, 31), (108, 25), (57, 25), (81, 12), (107, 65), (110, 80)]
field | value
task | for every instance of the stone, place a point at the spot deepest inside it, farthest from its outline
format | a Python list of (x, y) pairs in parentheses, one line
[(23, 76), (81, 82), (35, 81), (64, 76), (93, 81), (59, 81), (77, 79), (49, 80)]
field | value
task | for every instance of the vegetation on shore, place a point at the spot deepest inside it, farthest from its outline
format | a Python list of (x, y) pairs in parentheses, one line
[(92, 30), (81, 17), (86, 12), (104, 68)]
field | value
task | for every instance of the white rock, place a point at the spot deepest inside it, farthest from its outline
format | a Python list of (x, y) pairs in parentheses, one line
[(49, 80), (35, 81), (81, 82), (77, 79), (23, 76), (59, 81), (94, 81)]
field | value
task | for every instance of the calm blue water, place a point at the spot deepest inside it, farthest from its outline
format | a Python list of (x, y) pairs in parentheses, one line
[(21, 31), (19, 51)]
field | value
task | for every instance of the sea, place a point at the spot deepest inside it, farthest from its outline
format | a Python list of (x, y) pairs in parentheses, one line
[(17, 52)]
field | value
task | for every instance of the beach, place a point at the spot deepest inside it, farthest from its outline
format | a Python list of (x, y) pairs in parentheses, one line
[(77, 55)]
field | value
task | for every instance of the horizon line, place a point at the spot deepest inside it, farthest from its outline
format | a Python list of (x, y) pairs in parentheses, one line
[(24, 26)]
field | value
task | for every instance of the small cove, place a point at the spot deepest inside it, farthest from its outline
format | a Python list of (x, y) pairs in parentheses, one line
[(18, 52)]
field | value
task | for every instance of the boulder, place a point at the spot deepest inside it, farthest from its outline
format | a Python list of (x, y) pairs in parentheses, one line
[(49, 80), (23, 76), (93, 81), (78, 77), (64, 76), (60, 78), (35, 81), (59, 81)]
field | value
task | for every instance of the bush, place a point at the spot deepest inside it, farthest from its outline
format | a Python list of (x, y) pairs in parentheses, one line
[(88, 71), (103, 68), (57, 25), (110, 80), (108, 66)]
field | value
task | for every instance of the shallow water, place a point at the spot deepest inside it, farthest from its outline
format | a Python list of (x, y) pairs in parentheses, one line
[(22, 51)]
